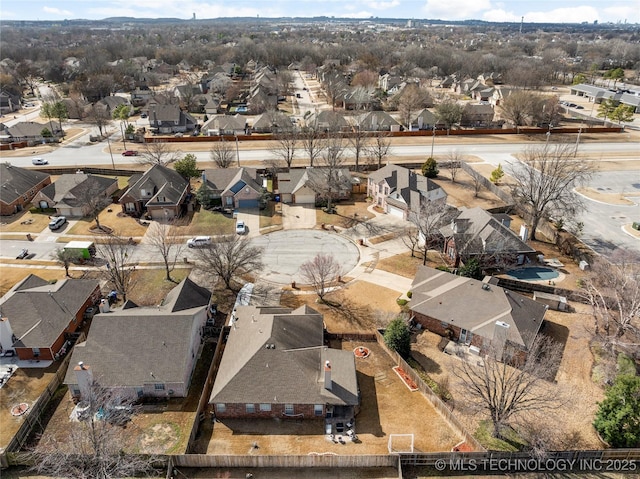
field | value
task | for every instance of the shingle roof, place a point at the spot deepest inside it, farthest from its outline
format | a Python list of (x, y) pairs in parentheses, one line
[(125, 346), (405, 186), (158, 179), (481, 233), (17, 181), (290, 372), (26, 129), (72, 189), (39, 311), (438, 294), (221, 180)]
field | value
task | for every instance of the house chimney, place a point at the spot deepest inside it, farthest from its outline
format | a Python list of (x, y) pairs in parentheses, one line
[(6, 335), (327, 375), (500, 333), (84, 376)]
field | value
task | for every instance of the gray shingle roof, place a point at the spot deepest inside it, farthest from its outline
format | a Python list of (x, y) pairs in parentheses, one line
[(405, 186), (17, 181), (157, 179), (72, 189), (465, 303), (39, 311), (221, 180), (290, 372), (479, 232), (125, 346)]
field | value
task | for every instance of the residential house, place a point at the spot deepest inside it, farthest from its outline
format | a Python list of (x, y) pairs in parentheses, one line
[(9, 102), (74, 194), (234, 187), (77, 108), (389, 83), (275, 365), (377, 121), (19, 186), (499, 94), (327, 120), (473, 312), (401, 192), (475, 233), (307, 185), (272, 122), (477, 114), (160, 193), (141, 95), (167, 119), (225, 125), (38, 316), (424, 120), (145, 352), (110, 103), (33, 132)]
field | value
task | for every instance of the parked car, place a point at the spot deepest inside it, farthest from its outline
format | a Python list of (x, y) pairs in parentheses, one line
[(130, 153), (57, 222), (39, 161), (199, 242), (241, 228), (23, 254)]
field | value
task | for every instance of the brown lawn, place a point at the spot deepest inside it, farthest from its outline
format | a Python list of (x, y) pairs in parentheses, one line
[(462, 193), (347, 213), (25, 221), (120, 223), (407, 266), (10, 275)]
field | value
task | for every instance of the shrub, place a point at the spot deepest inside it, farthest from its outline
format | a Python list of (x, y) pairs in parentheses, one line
[(398, 337), (401, 302), (626, 365), (409, 294), (430, 168), (497, 174), (471, 269), (443, 268), (618, 417)]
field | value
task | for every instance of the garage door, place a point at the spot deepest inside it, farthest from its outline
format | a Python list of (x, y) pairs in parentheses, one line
[(394, 211), (305, 199), (248, 203)]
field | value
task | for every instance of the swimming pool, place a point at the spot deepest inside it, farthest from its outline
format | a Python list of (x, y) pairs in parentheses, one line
[(534, 273)]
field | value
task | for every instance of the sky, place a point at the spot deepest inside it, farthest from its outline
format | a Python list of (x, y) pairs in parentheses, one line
[(537, 11)]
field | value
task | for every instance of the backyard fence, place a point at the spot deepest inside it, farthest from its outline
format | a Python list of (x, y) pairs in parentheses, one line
[(438, 404), (315, 460), (32, 417)]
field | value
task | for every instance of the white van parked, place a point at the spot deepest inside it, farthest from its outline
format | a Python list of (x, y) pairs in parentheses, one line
[(199, 242)]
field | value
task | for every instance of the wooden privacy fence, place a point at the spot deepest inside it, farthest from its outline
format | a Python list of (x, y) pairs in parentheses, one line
[(438, 404), (316, 460)]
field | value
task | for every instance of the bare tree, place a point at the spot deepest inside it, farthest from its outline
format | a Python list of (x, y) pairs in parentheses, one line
[(428, 220), (612, 288), (230, 257), (358, 141), (454, 160), (508, 383), (99, 117), (312, 143), (327, 180), (117, 251), (95, 445), (66, 258), (321, 272), (165, 238), (286, 144), (379, 148), (158, 152), (518, 108), (545, 180), (411, 99), (91, 194), (222, 154)]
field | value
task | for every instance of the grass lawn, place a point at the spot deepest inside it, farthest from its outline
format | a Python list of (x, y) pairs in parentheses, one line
[(346, 211), (210, 223), (404, 265), (150, 287), (270, 216), (121, 224), (9, 276), (25, 221)]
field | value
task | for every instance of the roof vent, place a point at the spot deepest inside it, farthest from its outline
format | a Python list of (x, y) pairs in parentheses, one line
[(486, 287)]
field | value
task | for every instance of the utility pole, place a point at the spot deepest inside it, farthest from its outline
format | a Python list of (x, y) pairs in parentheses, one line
[(433, 140)]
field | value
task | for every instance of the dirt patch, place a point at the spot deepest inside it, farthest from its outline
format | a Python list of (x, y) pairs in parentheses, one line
[(159, 438), (610, 198)]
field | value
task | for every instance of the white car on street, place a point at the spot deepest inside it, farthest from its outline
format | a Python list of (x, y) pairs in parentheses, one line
[(199, 242)]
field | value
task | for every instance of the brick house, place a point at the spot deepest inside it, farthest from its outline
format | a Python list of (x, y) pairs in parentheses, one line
[(38, 316), (19, 186), (476, 233), (234, 187), (146, 351), (301, 185), (400, 191), (69, 193), (275, 365), (473, 312), (159, 192)]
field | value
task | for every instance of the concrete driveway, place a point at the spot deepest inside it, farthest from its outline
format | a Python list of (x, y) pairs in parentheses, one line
[(285, 251), (298, 217), (251, 218)]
